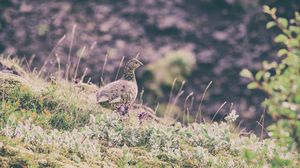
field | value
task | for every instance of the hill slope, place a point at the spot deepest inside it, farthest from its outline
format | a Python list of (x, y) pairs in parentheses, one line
[(58, 124)]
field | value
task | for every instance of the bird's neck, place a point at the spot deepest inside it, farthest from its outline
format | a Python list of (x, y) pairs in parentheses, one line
[(129, 74)]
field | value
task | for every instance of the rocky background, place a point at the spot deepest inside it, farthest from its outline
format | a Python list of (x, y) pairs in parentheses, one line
[(194, 40)]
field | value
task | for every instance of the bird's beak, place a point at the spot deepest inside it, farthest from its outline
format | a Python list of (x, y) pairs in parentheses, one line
[(141, 63)]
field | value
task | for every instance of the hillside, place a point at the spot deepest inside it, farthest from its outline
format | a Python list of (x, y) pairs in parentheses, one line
[(58, 123), (222, 36)]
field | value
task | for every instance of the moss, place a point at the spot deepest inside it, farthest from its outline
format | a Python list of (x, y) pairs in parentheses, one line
[(10, 83), (15, 156)]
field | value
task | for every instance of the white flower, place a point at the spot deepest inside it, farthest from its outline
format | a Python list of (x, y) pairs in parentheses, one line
[(232, 116)]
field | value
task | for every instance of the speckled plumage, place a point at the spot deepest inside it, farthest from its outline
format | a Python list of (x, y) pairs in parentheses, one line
[(123, 91)]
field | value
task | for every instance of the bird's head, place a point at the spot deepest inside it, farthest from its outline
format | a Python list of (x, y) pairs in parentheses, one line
[(133, 64)]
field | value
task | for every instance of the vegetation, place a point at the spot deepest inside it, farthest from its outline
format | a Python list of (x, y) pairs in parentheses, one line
[(281, 81), (58, 124), (159, 76), (58, 103)]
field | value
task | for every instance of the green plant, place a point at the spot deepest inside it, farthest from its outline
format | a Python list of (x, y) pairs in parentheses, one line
[(129, 144), (281, 80), (20, 102), (59, 123), (57, 104), (159, 76)]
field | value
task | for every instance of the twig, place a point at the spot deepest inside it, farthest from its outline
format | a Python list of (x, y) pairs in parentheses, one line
[(239, 125), (91, 48), (119, 68), (141, 96), (89, 80), (22, 61), (231, 107), (70, 52), (191, 106), (48, 58), (84, 74), (176, 98), (179, 93), (77, 65), (27, 65), (31, 60), (218, 111), (171, 93), (58, 64), (185, 105), (261, 136), (262, 122), (102, 72), (202, 98), (156, 108)]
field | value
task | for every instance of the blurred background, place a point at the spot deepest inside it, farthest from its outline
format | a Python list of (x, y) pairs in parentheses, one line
[(196, 41)]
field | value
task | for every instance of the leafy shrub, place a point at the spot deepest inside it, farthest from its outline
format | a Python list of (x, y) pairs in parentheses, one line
[(281, 80), (159, 76), (106, 138)]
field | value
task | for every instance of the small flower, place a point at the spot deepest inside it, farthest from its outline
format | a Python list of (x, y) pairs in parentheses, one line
[(232, 116)]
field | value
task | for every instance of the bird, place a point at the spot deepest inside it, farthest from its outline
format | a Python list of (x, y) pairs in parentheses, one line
[(120, 94)]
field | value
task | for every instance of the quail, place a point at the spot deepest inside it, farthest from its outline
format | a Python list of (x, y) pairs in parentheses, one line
[(120, 94)]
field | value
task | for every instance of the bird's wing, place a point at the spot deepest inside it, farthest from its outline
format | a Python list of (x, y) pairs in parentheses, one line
[(118, 91), (109, 93), (116, 100), (102, 98), (110, 87)]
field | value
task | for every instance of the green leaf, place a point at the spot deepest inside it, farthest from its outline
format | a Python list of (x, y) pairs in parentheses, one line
[(294, 43), (292, 21), (280, 38), (283, 21), (267, 76), (270, 24), (252, 85), (259, 75), (291, 60), (294, 29), (282, 52), (273, 11), (269, 65), (297, 16), (266, 9), (265, 65), (246, 73)]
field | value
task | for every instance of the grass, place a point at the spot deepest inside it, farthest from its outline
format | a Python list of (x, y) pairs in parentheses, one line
[(58, 123), (63, 104)]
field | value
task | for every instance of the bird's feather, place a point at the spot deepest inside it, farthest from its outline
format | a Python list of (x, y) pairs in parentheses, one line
[(116, 100), (102, 99)]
